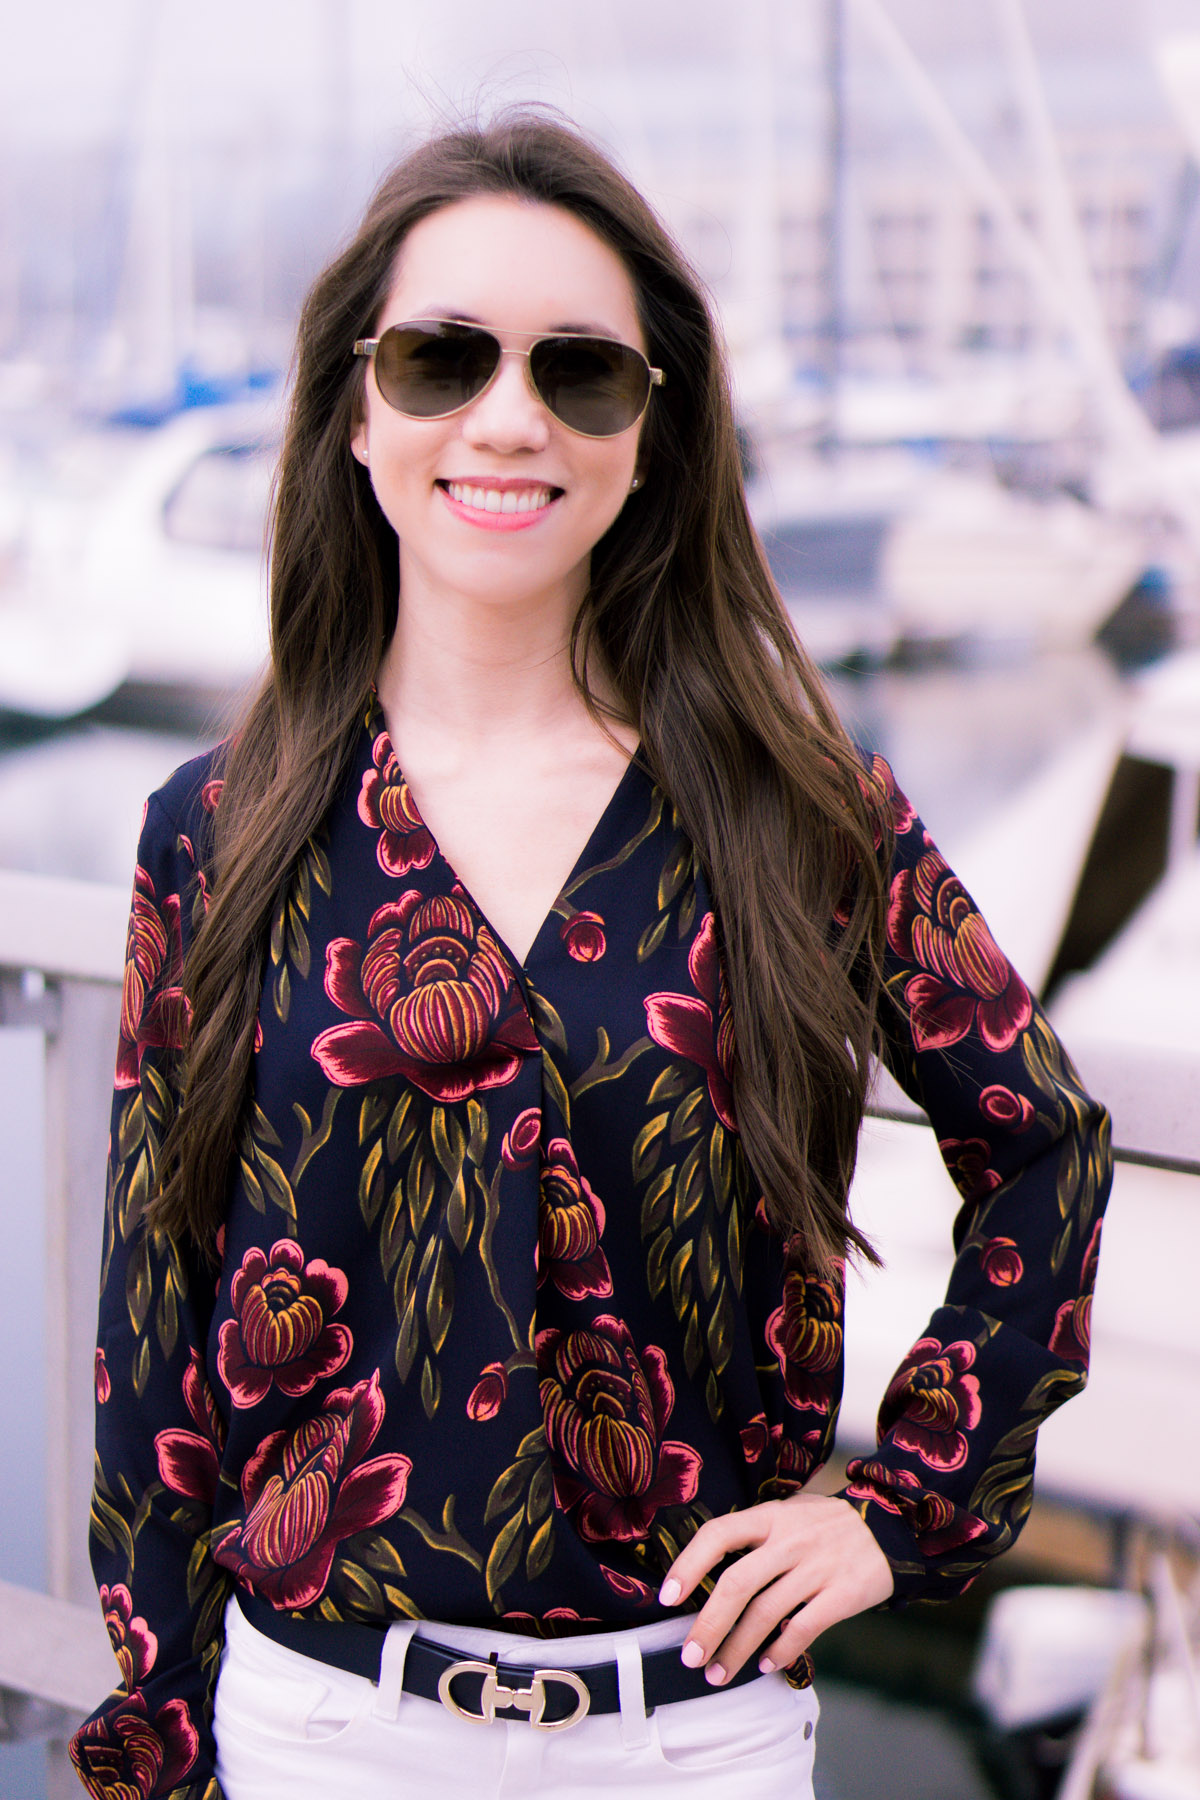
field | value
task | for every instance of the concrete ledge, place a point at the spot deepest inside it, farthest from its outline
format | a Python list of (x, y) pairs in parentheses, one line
[(63, 928), (54, 1650)]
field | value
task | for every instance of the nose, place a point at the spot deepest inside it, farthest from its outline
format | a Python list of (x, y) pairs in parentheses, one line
[(508, 415)]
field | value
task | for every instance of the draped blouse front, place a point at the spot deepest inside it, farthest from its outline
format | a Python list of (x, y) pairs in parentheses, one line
[(499, 1319)]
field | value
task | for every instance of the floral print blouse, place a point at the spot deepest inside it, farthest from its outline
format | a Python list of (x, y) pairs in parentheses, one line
[(499, 1321)]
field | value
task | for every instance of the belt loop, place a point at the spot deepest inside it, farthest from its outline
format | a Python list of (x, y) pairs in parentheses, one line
[(635, 1727), (391, 1669)]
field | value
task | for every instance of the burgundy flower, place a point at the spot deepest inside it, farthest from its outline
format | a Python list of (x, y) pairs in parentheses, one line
[(755, 1437), (796, 1458), (684, 1024), (606, 1408), (880, 786), (133, 1643), (583, 934), (153, 955), (554, 1622), (933, 1402), (628, 1586), (386, 804), (935, 1522), (1003, 1107), (967, 1161), (123, 1756), (522, 1138), (305, 1490), (805, 1332), (431, 999), (570, 1226), (1001, 1262), (489, 1393), (102, 1378), (189, 1462), (1072, 1334), (966, 983), (282, 1335)]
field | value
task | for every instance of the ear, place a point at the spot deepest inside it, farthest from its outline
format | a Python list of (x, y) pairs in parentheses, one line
[(359, 445)]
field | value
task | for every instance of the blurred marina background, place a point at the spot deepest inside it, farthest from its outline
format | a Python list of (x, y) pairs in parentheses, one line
[(956, 253)]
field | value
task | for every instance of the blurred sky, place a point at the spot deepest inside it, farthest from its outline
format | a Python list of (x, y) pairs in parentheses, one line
[(375, 68)]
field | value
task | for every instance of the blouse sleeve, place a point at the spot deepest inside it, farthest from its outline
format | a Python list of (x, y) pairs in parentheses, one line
[(950, 1483), (158, 1433)]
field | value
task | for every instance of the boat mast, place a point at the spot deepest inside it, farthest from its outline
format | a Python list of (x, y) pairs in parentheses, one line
[(831, 329)]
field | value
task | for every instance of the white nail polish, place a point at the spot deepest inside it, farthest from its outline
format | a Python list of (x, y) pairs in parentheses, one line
[(692, 1655), (669, 1593)]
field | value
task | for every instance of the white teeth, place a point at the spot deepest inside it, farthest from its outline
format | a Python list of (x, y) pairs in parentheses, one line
[(499, 500)]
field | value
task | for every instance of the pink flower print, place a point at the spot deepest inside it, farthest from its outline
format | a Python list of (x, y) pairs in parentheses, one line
[(122, 1755), (805, 1333), (1001, 1262), (966, 984), (282, 1335), (305, 1490), (583, 934), (153, 958), (133, 1643), (699, 1027), (606, 1406), (430, 998), (386, 804), (1002, 1107), (522, 1138), (1072, 1334), (570, 1227), (489, 1393), (932, 1402), (189, 1462)]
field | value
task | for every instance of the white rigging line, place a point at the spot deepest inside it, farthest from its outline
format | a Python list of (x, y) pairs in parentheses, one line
[(1128, 430), (1121, 410)]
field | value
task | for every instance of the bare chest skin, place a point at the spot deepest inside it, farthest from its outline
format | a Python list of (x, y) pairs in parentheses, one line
[(513, 820)]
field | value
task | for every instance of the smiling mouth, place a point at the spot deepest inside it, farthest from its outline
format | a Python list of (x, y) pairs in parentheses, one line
[(500, 500)]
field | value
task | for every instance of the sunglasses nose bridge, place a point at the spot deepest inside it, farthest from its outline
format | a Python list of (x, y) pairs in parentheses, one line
[(480, 409)]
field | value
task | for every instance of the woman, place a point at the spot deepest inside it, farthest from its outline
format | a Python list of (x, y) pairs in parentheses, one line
[(496, 1029)]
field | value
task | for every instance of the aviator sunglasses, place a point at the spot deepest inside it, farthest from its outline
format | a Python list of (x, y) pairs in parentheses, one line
[(431, 368)]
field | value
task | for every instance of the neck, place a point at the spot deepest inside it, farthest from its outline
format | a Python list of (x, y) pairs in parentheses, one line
[(464, 674)]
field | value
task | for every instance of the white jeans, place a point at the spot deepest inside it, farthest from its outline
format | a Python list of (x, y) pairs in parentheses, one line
[(288, 1727)]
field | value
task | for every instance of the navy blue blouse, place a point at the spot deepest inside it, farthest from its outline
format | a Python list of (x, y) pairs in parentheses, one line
[(499, 1320)]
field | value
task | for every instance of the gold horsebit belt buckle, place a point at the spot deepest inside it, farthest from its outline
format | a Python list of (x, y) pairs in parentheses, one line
[(531, 1700)]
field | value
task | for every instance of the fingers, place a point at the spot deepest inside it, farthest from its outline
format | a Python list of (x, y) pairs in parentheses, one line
[(812, 1563), (755, 1624), (744, 1607), (714, 1541), (822, 1611)]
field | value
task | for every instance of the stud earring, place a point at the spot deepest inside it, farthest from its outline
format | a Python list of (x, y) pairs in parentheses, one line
[(635, 484)]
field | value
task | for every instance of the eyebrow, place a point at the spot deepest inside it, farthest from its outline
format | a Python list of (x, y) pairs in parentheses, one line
[(587, 328)]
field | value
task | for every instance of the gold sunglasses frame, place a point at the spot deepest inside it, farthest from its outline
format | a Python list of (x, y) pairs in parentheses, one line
[(367, 347)]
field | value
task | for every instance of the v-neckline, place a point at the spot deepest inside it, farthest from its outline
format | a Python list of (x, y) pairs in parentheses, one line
[(520, 965)]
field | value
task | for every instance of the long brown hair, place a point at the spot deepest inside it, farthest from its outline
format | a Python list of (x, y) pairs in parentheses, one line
[(686, 621)]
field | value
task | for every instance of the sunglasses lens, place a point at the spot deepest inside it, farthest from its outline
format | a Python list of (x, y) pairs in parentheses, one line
[(427, 371), (594, 386)]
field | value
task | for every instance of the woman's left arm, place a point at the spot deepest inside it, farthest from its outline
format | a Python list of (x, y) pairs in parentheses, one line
[(950, 1483)]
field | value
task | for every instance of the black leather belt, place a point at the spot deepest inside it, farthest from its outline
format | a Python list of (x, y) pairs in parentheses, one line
[(554, 1699)]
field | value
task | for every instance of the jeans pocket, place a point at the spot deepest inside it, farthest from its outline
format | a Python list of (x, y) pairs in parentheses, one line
[(762, 1725), (269, 1700)]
